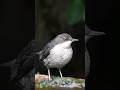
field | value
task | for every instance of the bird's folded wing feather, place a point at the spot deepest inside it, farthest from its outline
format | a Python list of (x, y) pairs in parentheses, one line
[(27, 52), (46, 51), (43, 54), (25, 60)]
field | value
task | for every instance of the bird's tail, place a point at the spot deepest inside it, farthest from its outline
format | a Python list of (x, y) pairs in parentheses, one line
[(8, 64), (12, 66)]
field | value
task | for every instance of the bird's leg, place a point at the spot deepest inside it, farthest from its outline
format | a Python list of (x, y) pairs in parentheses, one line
[(49, 74), (60, 73)]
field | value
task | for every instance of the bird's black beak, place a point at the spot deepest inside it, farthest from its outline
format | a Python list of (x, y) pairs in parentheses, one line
[(73, 40), (95, 33)]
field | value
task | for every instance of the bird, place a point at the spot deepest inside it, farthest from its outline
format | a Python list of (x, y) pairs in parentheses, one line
[(88, 35), (22, 68), (57, 53)]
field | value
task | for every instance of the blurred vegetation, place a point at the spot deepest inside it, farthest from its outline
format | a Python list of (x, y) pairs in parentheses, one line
[(56, 16), (75, 11)]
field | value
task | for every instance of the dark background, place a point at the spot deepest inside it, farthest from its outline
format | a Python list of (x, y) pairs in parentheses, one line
[(17, 29), (100, 16)]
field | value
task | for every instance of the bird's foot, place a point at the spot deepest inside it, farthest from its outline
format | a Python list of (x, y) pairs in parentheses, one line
[(61, 76), (49, 77)]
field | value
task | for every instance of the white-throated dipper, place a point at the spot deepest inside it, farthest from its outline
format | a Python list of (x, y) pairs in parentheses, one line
[(89, 34), (57, 53)]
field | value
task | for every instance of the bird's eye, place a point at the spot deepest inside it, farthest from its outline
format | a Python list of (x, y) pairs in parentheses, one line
[(64, 38)]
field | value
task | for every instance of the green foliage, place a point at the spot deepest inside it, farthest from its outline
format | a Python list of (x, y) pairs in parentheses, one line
[(75, 11)]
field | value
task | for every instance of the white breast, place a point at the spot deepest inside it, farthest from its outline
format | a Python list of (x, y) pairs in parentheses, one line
[(59, 56)]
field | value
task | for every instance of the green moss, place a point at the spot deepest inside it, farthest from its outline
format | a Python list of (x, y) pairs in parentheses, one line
[(66, 82)]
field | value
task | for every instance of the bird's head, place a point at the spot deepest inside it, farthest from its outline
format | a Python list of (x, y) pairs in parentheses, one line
[(64, 39), (90, 33)]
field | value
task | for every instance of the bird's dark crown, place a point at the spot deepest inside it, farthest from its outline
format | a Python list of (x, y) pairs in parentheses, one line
[(63, 37)]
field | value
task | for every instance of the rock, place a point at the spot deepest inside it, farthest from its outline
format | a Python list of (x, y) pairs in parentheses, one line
[(40, 77), (66, 82)]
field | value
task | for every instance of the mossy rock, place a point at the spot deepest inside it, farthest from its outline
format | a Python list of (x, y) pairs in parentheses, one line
[(63, 83)]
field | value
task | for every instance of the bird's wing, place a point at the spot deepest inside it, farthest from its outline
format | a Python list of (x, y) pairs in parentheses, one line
[(27, 52), (25, 60), (46, 51)]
